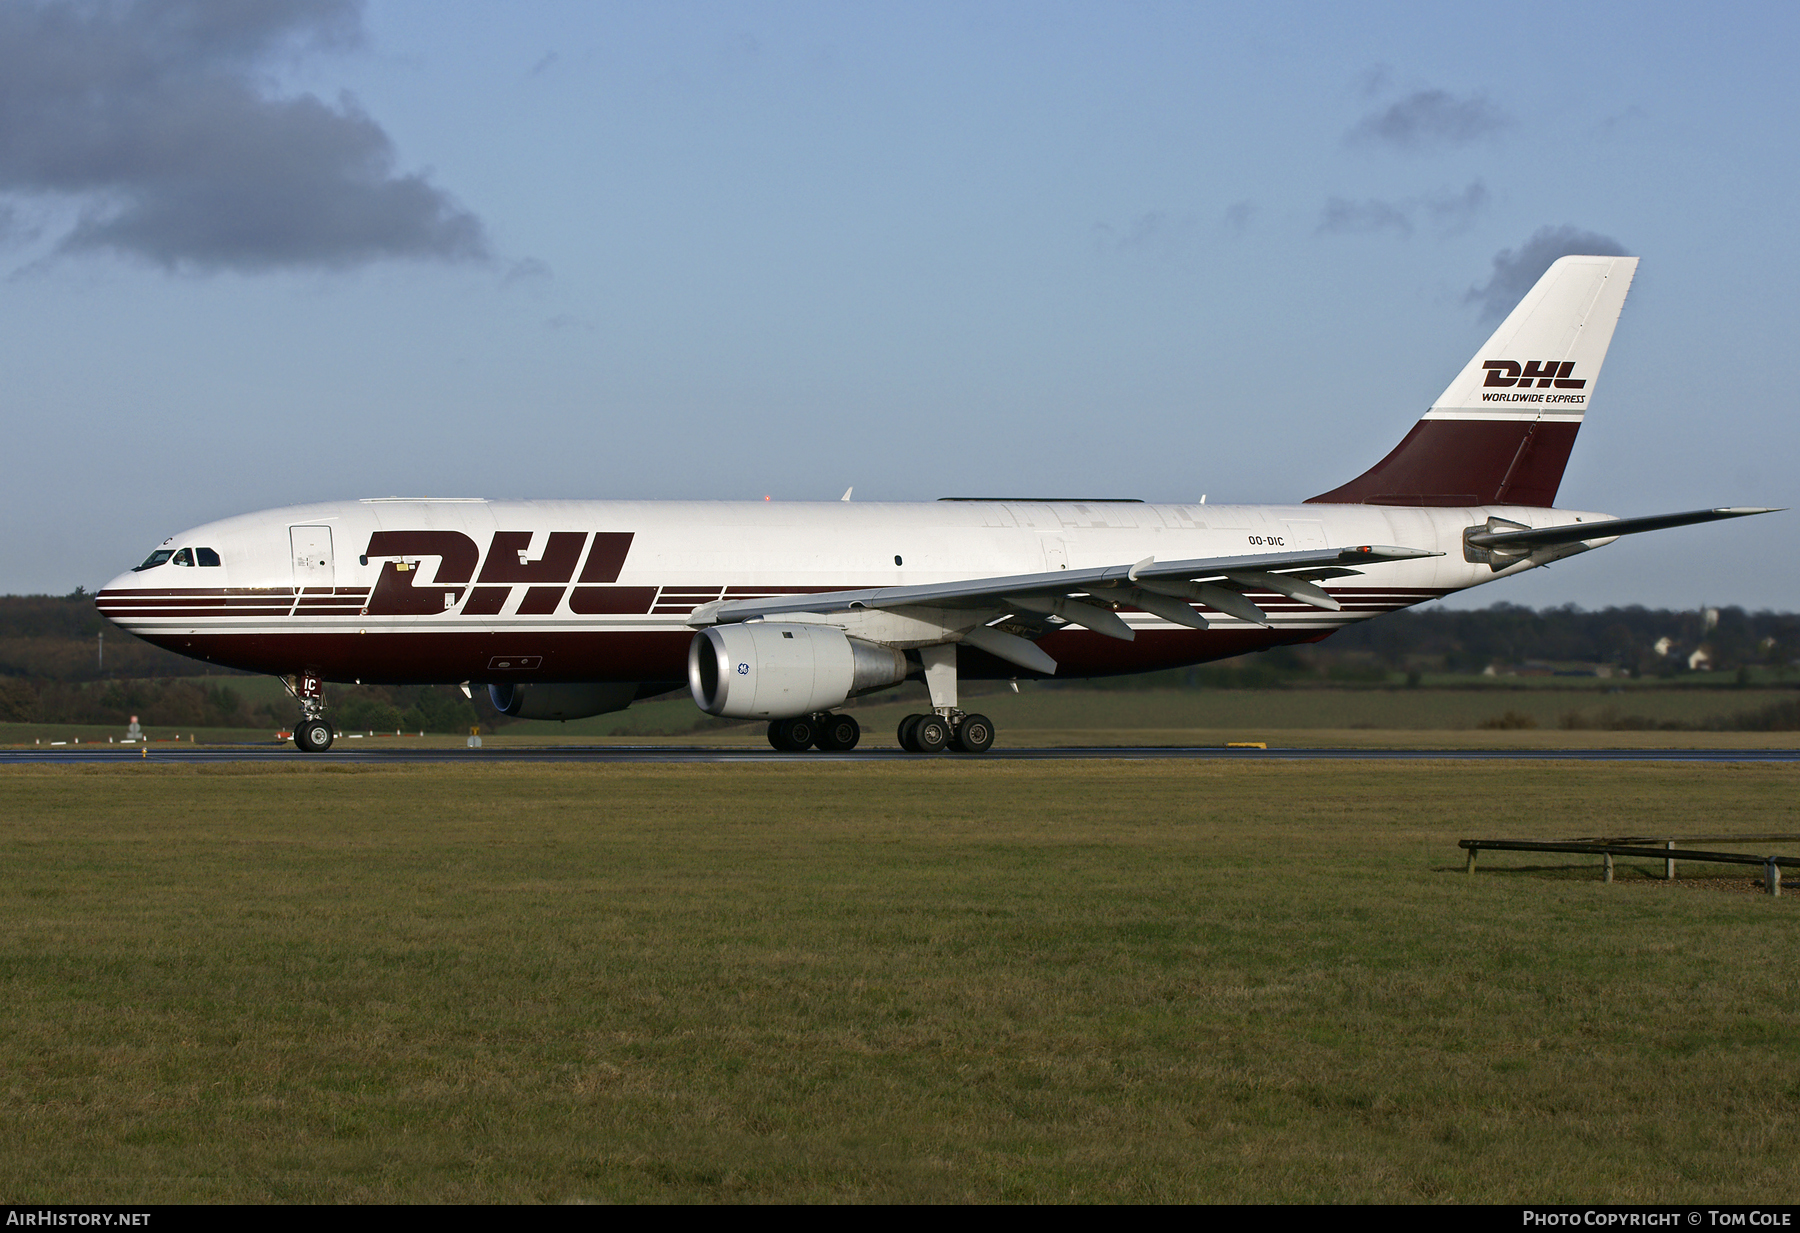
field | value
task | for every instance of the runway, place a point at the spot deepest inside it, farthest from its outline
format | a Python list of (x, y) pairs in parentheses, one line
[(677, 755)]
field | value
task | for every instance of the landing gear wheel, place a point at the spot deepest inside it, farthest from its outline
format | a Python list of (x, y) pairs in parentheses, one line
[(838, 734), (930, 734), (904, 734), (975, 734), (313, 736), (793, 735)]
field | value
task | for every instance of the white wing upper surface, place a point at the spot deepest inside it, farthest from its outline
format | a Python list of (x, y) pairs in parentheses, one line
[(1299, 567)]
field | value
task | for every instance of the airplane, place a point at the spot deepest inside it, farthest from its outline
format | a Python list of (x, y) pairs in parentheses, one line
[(784, 611)]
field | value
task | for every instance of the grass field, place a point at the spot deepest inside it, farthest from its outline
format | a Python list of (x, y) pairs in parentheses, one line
[(938, 980), (1454, 718), (1241, 709)]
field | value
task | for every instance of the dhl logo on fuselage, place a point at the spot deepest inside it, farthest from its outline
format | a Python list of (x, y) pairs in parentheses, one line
[(1502, 374), (506, 566)]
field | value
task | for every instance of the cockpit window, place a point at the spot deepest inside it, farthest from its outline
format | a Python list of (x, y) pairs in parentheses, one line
[(156, 558), (206, 556), (185, 557)]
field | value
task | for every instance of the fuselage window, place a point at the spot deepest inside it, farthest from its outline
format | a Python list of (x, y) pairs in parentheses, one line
[(206, 556), (185, 557), (156, 558)]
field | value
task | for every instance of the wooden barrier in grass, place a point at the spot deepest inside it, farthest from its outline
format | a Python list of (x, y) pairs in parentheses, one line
[(1638, 846)]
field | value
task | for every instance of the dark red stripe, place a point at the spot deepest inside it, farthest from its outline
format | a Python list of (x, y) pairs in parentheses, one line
[(1466, 462)]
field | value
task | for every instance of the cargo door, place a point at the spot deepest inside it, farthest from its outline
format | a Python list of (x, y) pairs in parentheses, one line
[(313, 563)]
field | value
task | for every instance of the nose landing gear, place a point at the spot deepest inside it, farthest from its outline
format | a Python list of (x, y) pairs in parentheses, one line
[(314, 733)]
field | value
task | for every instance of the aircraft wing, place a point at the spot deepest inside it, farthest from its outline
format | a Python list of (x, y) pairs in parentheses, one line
[(1215, 581), (1577, 532)]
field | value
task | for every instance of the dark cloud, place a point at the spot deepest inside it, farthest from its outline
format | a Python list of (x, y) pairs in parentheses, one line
[(155, 119), (1515, 270), (1445, 212), (1430, 119)]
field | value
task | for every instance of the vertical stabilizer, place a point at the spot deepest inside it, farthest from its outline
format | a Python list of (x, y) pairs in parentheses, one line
[(1501, 433)]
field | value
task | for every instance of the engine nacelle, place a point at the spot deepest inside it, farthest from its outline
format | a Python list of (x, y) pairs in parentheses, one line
[(576, 701), (763, 671)]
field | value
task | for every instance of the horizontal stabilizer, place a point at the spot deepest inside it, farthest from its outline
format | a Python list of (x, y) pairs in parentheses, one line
[(1579, 532)]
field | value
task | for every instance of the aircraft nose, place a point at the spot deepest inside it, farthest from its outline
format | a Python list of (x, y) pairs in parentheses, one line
[(107, 601)]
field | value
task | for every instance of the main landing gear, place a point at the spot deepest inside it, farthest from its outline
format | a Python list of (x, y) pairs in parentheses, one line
[(824, 732), (313, 734), (947, 726), (934, 733), (931, 733)]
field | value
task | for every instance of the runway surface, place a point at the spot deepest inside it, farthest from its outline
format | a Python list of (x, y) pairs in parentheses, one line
[(680, 754)]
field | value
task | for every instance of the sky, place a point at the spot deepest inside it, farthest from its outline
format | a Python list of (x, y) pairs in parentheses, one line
[(254, 255)]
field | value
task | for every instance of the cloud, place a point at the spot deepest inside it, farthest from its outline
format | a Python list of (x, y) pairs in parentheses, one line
[(1240, 214), (1515, 271), (1157, 232), (1453, 212), (525, 270), (154, 119), (1446, 212), (1374, 80), (1430, 119), (1626, 122), (1345, 217)]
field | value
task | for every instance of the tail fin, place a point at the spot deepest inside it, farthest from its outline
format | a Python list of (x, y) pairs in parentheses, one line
[(1501, 434)]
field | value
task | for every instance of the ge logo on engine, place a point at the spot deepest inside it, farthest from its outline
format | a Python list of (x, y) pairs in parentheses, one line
[(743, 669)]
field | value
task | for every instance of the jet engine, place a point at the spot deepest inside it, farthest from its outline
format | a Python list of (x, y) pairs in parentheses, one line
[(571, 701), (762, 671)]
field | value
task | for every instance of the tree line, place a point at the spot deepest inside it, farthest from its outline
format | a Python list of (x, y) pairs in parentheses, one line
[(62, 662)]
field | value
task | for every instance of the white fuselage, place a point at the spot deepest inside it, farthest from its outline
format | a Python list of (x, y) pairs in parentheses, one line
[(403, 590)]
